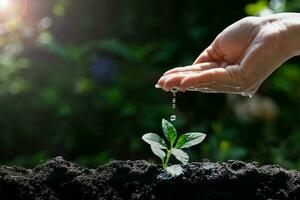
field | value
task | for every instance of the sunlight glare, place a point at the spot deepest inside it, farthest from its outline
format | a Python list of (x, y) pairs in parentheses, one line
[(12, 10), (4, 4)]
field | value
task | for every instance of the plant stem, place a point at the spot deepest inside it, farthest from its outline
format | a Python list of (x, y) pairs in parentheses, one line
[(165, 164)]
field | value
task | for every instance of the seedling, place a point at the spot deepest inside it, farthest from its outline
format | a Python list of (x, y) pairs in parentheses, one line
[(174, 146)]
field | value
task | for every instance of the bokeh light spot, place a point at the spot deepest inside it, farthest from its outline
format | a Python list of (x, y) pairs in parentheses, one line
[(45, 22)]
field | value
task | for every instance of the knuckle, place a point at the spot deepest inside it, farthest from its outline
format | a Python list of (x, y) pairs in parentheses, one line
[(249, 18), (270, 37)]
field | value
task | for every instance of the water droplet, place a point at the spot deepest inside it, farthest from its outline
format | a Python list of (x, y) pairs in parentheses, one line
[(174, 90), (245, 94), (173, 118)]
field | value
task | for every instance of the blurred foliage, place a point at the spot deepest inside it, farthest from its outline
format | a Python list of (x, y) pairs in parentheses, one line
[(77, 79)]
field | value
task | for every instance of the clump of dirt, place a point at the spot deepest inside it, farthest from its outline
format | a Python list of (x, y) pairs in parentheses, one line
[(59, 179)]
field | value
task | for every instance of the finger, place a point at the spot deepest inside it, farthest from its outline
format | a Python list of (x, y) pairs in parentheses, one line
[(215, 88), (171, 81), (212, 76), (192, 68)]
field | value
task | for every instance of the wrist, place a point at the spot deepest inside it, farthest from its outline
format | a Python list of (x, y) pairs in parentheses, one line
[(289, 28)]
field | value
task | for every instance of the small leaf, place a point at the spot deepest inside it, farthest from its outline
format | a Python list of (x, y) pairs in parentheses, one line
[(180, 155), (169, 131), (154, 139), (190, 139), (157, 151), (174, 170)]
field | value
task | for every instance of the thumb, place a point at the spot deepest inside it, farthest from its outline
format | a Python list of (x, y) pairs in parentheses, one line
[(210, 54)]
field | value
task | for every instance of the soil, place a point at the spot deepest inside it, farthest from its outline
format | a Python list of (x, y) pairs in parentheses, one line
[(59, 179)]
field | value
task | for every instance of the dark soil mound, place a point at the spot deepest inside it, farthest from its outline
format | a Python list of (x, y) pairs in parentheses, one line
[(59, 179)]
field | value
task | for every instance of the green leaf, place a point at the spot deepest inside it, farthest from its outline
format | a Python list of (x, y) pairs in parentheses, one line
[(169, 131), (174, 170), (157, 151), (190, 139), (154, 139), (180, 155)]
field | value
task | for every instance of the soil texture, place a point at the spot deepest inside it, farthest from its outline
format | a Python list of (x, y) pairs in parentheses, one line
[(59, 179)]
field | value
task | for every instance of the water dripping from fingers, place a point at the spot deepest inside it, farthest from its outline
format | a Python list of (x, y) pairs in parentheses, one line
[(174, 91)]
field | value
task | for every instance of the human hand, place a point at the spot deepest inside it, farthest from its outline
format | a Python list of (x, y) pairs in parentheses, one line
[(239, 59)]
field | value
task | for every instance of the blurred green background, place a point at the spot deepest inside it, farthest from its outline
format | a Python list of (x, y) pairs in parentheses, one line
[(77, 79)]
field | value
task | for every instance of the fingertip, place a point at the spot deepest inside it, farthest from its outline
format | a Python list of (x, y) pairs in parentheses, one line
[(157, 86), (160, 82), (165, 82)]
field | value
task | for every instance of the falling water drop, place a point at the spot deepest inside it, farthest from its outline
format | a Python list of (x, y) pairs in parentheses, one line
[(174, 91), (244, 94), (173, 118)]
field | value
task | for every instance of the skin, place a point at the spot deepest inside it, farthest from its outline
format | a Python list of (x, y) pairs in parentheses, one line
[(241, 57)]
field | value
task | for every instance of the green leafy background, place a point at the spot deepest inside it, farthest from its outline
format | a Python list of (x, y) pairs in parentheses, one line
[(77, 79)]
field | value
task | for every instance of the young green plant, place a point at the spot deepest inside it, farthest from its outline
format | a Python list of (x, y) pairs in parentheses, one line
[(174, 146)]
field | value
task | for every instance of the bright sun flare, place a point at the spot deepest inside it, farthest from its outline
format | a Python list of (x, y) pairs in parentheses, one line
[(11, 10), (4, 4)]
